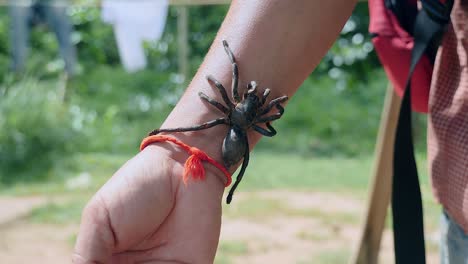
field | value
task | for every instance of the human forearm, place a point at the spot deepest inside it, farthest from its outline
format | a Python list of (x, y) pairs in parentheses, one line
[(276, 43)]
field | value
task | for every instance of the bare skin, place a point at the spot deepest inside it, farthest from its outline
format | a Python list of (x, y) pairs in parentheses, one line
[(144, 213)]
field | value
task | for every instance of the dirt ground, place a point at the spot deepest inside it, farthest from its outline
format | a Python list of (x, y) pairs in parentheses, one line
[(280, 239)]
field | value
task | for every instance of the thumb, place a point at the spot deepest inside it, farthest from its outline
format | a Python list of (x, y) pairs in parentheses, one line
[(96, 239)]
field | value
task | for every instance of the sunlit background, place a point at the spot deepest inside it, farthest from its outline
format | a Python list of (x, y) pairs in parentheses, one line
[(67, 125)]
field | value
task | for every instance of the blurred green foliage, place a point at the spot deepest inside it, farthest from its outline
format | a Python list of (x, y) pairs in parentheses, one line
[(35, 129), (336, 112)]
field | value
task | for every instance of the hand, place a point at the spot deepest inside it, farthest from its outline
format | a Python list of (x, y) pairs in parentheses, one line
[(145, 213)]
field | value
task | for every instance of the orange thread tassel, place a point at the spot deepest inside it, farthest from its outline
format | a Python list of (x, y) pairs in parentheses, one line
[(193, 166)]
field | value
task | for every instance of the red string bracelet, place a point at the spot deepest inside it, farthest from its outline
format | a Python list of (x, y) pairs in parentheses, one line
[(193, 166)]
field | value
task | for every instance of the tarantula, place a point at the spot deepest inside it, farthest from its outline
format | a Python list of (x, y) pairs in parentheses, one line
[(241, 115)]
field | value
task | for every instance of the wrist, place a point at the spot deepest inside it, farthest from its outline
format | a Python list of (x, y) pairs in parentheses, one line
[(196, 163)]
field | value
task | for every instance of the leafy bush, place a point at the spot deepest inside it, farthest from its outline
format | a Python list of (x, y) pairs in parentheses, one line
[(122, 107), (94, 39), (324, 118), (35, 126)]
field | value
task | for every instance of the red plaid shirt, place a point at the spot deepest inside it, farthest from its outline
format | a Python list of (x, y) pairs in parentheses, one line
[(448, 119)]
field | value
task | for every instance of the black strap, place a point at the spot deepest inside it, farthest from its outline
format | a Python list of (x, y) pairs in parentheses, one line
[(408, 227), (405, 12)]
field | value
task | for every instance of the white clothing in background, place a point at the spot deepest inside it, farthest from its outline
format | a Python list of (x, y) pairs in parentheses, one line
[(135, 21)]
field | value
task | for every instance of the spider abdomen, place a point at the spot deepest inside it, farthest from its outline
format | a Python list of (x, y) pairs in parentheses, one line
[(234, 146)]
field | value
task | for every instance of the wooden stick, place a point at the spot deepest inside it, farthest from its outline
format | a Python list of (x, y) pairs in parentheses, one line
[(367, 250)]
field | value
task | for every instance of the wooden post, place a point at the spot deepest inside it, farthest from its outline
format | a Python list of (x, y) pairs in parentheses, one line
[(367, 251), (182, 41)]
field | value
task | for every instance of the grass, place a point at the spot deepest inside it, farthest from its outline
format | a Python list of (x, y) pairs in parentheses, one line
[(272, 171), (260, 209), (331, 256), (56, 213), (314, 236), (290, 171), (229, 249), (295, 173), (100, 166), (335, 256), (267, 171)]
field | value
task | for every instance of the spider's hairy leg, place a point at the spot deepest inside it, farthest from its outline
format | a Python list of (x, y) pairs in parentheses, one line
[(269, 133), (221, 90), (245, 162), (269, 126), (265, 95), (272, 117), (206, 125), (235, 72), (214, 103), (273, 103)]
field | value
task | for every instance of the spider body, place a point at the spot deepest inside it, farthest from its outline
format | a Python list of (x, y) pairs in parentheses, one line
[(241, 118), (245, 112), (234, 146), (242, 115)]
